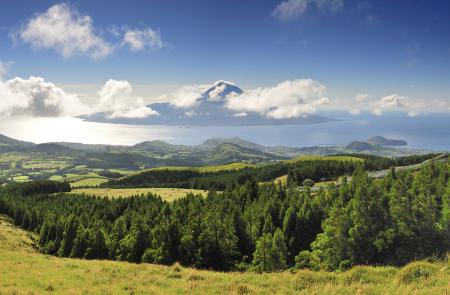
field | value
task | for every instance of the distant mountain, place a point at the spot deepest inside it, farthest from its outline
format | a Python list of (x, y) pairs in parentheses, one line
[(360, 146), (382, 141), (51, 148), (10, 142), (210, 110), (229, 152), (215, 141)]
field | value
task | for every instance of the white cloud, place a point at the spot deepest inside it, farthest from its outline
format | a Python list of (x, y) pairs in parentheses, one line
[(240, 115), (363, 97), (289, 10), (355, 111), (187, 96), (361, 100), (62, 28), (395, 103), (4, 67), (288, 99), (142, 39), (389, 103), (190, 114), (134, 113), (36, 97), (116, 97)]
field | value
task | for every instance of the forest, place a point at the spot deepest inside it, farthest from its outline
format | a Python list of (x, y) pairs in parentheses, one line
[(261, 227), (297, 172)]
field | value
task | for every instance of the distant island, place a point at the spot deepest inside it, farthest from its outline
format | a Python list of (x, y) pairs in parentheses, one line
[(382, 141)]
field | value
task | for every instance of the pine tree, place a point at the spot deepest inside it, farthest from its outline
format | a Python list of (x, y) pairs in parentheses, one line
[(279, 251), (263, 255)]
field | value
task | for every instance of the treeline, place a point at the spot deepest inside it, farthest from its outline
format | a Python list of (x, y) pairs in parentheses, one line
[(194, 179), (317, 170), (37, 187), (372, 162), (297, 172), (402, 217)]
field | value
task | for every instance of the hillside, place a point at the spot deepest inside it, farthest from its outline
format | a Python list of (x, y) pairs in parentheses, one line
[(23, 161), (26, 271)]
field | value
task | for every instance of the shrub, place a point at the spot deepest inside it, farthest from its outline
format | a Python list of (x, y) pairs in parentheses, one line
[(367, 275), (416, 271), (306, 278)]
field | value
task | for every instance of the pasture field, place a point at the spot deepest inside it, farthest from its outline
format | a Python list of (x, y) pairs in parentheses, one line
[(168, 194), (324, 158), (212, 168), (89, 181), (23, 270)]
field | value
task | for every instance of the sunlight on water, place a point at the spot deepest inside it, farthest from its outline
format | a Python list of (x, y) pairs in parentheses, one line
[(41, 130), (421, 132)]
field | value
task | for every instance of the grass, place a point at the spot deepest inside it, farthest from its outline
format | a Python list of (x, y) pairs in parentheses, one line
[(168, 194), (20, 178), (212, 168), (282, 179), (324, 158), (23, 270), (89, 181)]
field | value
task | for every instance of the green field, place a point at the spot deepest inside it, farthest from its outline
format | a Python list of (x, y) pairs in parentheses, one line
[(23, 270), (168, 194), (324, 158), (212, 168), (89, 181)]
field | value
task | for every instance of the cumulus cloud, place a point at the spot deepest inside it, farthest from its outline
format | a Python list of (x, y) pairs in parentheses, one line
[(395, 103), (289, 10), (142, 39), (187, 96), (288, 99), (116, 97), (134, 113), (361, 100), (64, 29), (36, 97), (363, 97), (389, 103)]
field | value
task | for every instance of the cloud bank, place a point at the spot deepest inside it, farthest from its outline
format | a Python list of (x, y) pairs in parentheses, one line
[(288, 99), (397, 103), (34, 97)]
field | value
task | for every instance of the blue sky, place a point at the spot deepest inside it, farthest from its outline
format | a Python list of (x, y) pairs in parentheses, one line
[(378, 48)]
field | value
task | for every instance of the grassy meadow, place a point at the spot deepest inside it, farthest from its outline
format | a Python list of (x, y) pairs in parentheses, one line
[(168, 194), (23, 270), (324, 158), (207, 168)]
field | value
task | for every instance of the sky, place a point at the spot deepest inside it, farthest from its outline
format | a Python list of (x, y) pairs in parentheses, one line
[(76, 57)]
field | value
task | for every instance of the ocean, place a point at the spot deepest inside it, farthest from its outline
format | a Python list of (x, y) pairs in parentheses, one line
[(425, 132)]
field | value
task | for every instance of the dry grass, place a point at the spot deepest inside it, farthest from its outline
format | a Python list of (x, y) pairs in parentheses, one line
[(168, 194)]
